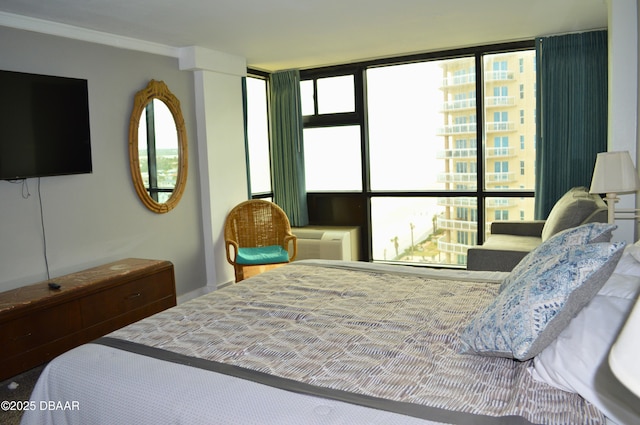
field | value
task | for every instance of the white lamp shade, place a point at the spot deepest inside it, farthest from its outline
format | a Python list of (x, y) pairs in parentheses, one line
[(614, 173)]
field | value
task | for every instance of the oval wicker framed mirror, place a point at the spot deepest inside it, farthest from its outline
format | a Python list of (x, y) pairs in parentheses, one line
[(158, 147)]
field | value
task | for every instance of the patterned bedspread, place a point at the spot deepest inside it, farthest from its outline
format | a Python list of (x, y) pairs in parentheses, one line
[(391, 336)]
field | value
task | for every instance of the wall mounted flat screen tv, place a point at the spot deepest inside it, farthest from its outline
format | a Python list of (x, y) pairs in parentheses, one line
[(44, 126)]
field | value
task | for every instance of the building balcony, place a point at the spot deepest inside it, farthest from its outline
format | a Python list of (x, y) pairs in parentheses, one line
[(453, 248), (470, 79), (499, 127), (459, 80), (458, 105), (455, 177), (501, 177), (472, 202), (493, 101), (457, 129), (457, 225), (501, 203), (458, 201), (499, 76), (500, 152), (457, 153)]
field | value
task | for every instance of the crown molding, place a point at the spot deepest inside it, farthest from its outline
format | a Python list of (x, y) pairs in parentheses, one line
[(83, 34)]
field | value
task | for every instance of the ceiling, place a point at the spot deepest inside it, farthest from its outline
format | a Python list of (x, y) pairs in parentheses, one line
[(282, 34)]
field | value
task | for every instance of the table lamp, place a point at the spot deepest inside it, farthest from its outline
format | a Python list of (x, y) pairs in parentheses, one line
[(614, 173)]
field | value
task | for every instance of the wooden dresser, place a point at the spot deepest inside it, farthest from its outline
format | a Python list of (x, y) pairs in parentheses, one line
[(38, 323)]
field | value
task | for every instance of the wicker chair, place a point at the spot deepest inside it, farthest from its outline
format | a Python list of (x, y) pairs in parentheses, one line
[(257, 235)]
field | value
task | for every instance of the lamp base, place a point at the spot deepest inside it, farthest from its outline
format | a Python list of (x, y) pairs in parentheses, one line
[(611, 200)]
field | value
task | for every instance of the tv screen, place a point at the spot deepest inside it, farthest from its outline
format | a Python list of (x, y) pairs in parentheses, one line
[(44, 126)]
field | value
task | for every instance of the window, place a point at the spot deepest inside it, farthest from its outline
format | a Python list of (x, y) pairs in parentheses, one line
[(410, 150), (404, 123), (332, 158), (258, 137), (328, 95)]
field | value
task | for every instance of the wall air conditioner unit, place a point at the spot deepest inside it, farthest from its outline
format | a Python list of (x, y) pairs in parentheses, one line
[(323, 244)]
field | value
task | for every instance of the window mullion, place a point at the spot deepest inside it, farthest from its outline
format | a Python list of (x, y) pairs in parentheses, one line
[(480, 150)]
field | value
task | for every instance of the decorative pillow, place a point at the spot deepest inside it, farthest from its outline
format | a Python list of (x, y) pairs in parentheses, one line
[(539, 302), (581, 235), (262, 255)]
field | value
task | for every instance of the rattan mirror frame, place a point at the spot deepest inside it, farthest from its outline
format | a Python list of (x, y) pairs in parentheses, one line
[(157, 90)]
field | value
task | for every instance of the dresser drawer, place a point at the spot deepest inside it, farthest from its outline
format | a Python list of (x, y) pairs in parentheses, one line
[(121, 299), (38, 328)]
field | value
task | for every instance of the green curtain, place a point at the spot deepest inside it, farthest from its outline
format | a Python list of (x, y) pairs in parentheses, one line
[(287, 153), (571, 123)]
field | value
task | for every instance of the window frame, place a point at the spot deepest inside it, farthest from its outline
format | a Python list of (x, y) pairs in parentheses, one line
[(358, 117), (262, 75)]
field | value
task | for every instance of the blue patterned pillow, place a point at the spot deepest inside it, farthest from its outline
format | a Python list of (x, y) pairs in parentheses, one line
[(532, 311), (581, 235)]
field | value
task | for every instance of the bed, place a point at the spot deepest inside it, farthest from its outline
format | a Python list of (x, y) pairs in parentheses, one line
[(332, 342)]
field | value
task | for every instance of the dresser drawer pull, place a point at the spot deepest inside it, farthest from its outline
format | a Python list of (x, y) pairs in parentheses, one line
[(132, 296), (18, 338)]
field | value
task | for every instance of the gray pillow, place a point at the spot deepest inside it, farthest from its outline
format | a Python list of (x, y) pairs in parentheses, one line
[(570, 211)]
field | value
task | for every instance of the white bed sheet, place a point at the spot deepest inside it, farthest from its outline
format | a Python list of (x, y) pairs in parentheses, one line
[(179, 395)]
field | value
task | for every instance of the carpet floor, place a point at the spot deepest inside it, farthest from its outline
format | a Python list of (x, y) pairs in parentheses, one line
[(18, 388)]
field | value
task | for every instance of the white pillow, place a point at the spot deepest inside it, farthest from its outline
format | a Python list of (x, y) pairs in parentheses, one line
[(629, 263), (577, 361), (621, 286)]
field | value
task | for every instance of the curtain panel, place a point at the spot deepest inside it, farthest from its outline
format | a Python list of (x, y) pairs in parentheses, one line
[(571, 119), (287, 153)]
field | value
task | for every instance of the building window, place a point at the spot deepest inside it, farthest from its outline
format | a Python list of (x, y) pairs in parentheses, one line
[(501, 215)]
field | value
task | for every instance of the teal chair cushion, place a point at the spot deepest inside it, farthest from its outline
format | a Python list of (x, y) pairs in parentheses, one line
[(262, 255)]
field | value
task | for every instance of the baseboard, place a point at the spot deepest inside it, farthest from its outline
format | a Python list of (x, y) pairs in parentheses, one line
[(195, 293)]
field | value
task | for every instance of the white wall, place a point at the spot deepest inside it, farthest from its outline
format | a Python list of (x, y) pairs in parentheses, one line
[(623, 95), (221, 148), (97, 218)]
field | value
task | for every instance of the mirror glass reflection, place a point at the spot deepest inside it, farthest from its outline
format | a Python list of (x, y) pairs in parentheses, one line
[(158, 150)]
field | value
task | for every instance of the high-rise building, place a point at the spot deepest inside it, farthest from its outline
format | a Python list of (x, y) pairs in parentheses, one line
[(508, 148)]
